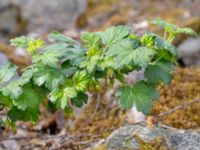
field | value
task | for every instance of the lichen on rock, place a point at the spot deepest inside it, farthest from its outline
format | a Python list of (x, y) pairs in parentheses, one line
[(140, 137)]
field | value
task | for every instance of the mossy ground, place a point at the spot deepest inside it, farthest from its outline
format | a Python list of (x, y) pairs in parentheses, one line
[(185, 87)]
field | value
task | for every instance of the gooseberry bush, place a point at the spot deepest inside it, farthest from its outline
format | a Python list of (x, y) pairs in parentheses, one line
[(64, 71)]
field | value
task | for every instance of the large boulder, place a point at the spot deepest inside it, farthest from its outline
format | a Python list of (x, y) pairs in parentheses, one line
[(138, 137)]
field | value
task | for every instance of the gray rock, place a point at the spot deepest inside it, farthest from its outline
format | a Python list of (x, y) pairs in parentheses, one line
[(190, 51), (44, 15), (123, 138), (3, 59), (11, 20)]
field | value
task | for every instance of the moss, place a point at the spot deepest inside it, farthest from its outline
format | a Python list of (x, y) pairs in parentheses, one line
[(101, 147), (158, 143), (184, 88)]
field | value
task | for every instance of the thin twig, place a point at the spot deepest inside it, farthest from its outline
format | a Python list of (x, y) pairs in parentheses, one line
[(44, 137), (98, 101), (33, 137), (167, 127)]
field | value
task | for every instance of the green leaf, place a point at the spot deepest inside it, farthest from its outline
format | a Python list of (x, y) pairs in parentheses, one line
[(163, 24), (5, 100), (34, 45), (7, 72), (161, 71), (142, 95), (57, 96), (56, 46), (187, 31), (125, 54), (114, 34), (48, 76), (28, 74), (76, 55), (91, 39), (60, 37), (126, 99), (49, 58), (106, 62), (79, 100), (80, 80), (142, 56), (70, 92), (13, 89), (173, 29), (67, 68), (148, 39), (30, 114), (28, 99), (21, 42), (62, 96), (161, 44), (90, 63), (152, 40)]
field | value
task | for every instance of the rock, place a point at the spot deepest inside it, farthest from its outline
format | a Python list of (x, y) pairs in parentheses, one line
[(45, 15), (3, 59), (131, 137), (190, 51), (12, 23)]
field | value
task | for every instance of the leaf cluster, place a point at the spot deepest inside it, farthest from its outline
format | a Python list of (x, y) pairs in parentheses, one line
[(65, 71)]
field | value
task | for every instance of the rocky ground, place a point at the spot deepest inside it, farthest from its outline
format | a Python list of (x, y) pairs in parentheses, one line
[(96, 125)]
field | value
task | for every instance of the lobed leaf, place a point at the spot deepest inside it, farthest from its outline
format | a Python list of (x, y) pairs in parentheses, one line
[(142, 95), (7, 72), (161, 71), (114, 34), (60, 37), (48, 76), (125, 54)]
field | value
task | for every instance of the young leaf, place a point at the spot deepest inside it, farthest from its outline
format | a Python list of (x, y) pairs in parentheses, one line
[(34, 45), (173, 29), (91, 39), (154, 41), (62, 96), (187, 31), (58, 97), (80, 80), (164, 24)]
